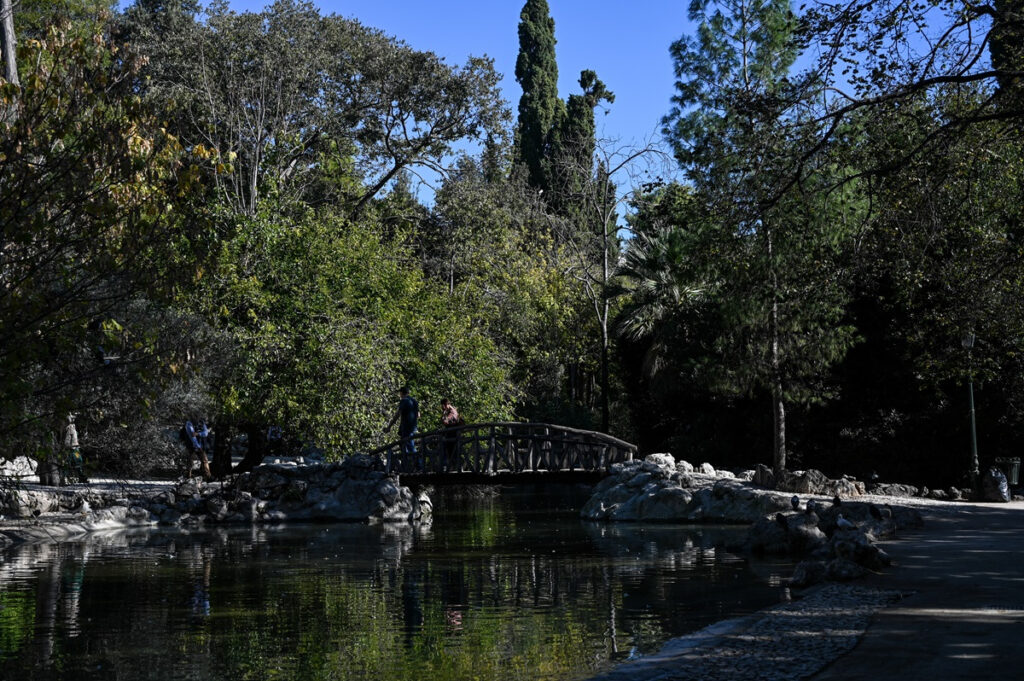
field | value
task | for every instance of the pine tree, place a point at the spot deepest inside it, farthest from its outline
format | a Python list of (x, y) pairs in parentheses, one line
[(774, 254), (540, 109)]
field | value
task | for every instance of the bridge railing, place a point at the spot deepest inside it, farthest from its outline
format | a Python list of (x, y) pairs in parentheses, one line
[(490, 448)]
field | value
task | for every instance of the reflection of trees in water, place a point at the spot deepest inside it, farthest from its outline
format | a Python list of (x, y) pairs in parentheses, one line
[(358, 601), (58, 571)]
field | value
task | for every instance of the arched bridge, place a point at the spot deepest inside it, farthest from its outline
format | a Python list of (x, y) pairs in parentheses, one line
[(489, 449)]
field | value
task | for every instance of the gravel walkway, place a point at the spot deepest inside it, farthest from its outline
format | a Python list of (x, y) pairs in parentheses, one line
[(786, 642)]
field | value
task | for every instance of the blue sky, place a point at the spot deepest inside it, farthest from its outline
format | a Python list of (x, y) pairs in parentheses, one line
[(626, 43)]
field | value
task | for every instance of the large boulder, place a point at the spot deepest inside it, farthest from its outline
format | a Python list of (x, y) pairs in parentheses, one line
[(733, 501), (815, 482), (18, 468), (355, 490), (887, 489), (662, 460), (23, 503), (654, 490), (763, 476)]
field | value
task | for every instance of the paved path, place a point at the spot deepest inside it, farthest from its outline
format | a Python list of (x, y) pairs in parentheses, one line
[(965, 617)]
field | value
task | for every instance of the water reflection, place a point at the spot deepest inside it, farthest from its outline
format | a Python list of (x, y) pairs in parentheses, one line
[(497, 591)]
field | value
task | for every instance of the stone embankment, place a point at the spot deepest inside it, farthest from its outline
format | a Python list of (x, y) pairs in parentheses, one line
[(811, 517), (355, 490)]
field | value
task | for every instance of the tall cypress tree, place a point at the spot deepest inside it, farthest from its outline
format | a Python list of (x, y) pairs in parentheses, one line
[(573, 143), (540, 109)]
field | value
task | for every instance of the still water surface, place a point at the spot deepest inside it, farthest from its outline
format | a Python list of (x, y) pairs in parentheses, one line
[(507, 588)]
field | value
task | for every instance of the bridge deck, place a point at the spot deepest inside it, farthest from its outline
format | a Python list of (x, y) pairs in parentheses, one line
[(505, 448)]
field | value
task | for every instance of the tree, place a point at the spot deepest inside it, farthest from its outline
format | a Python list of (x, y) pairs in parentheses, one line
[(489, 243), (574, 143), (658, 276), (275, 92), (540, 109), (878, 59), (85, 175), (591, 235), (775, 257)]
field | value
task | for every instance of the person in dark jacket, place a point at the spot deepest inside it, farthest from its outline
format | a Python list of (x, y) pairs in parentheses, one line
[(407, 417)]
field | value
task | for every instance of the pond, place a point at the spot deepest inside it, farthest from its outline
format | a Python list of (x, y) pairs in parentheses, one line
[(513, 586)]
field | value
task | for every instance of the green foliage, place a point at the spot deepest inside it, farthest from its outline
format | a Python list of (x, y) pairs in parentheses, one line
[(330, 318), (32, 18), (273, 92), (489, 244), (732, 68), (573, 145), (540, 109), (86, 175)]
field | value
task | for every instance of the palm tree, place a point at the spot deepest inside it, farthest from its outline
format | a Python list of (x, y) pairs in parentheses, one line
[(656, 275)]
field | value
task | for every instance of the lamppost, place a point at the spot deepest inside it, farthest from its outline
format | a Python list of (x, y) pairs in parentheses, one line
[(967, 340)]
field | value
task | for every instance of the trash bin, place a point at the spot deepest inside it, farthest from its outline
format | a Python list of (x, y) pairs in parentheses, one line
[(1010, 466)]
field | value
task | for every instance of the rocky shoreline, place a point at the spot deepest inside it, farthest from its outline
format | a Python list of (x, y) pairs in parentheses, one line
[(279, 491), (833, 536)]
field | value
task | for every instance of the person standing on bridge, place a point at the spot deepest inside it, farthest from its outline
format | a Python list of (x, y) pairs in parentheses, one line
[(449, 419), (407, 416)]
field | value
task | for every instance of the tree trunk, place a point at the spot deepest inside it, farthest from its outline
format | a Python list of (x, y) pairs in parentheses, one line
[(605, 275), (221, 466), (256, 448), (7, 42), (604, 375), (778, 403)]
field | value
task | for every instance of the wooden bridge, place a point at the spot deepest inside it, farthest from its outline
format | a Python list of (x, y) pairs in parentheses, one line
[(489, 449)]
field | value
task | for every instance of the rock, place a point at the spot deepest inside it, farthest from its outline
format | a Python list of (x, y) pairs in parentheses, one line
[(809, 573), (388, 491), (661, 460), (169, 517), (843, 570), (684, 480), (684, 466), (955, 494), (216, 508), (665, 503), (798, 534), (17, 467), (656, 470), (138, 515), (23, 503), (892, 490), (639, 480), (189, 488), (767, 536), (706, 469), (764, 476), (167, 498), (815, 482)]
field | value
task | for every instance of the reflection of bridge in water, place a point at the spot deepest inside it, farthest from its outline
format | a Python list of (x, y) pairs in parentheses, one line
[(505, 449)]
